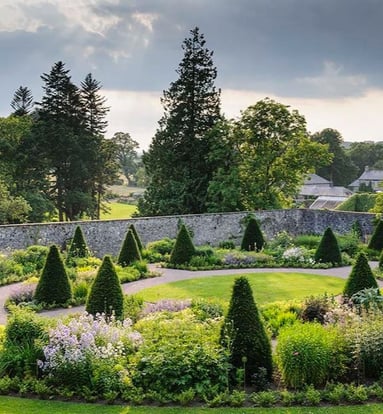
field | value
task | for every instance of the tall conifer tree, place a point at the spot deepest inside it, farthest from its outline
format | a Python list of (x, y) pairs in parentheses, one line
[(177, 161)]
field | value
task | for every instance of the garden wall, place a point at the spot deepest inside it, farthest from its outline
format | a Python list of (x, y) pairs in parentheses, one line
[(105, 237)]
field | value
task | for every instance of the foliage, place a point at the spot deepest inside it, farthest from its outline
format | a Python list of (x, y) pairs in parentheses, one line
[(341, 170), (369, 299), (328, 250), (309, 241), (78, 247), (227, 244), (177, 162), (361, 277), (253, 239), (133, 305), (309, 354), (314, 308), (376, 241), (22, 102), (127, 155), (276, 315), (184, 351), (362, 202), (243, 334), (130, 251), (75, 349), (12, 209), (274, 152), (297, 256), (53, 286), (183, 249), (105, 296), (137, 237)]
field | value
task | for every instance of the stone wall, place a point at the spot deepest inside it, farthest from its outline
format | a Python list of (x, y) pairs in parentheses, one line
[(105, 237)]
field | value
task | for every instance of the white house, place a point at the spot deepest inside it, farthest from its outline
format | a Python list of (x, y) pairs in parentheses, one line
[(370, 178)]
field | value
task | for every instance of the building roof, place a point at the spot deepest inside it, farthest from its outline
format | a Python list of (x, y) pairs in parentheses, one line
[(372, 175), (318, 190), (327, 202), (314, 179)]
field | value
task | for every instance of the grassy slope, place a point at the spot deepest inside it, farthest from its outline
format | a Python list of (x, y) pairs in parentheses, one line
[(12, 405), (119, 211), (267, 287)]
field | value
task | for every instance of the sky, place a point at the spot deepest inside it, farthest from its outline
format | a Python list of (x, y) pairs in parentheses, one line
[(321, 57)]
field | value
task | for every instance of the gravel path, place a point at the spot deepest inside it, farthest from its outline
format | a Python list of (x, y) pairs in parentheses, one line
[(172, 275)]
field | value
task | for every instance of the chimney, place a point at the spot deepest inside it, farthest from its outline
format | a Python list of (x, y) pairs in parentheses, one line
[(366, 168)]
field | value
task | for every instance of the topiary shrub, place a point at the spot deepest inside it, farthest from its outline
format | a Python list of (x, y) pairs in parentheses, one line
[(53, 286), (244, 335), (129, 252), (328, 250), (137, 237), (253, 238), (376, 242), (361, 277), (106, 295), (183, 249), (78, 247)]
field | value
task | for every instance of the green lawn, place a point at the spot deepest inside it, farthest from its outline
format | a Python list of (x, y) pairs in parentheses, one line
[(119, 211), (12, 405), (267, 287)]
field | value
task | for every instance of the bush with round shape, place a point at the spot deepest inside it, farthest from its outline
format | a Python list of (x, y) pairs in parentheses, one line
[(129, 252), (53, 286), (253, 239), (136, 236), (78, 247), (328, 250), (183, 249), (376, 242), (361, 277), (106, 295), (244, 335)]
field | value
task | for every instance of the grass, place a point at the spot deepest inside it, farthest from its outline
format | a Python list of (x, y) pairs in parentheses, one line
[(119, 211), (267, 287), (14, 405)]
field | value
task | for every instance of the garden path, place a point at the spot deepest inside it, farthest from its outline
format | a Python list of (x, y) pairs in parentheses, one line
[(173, 275)]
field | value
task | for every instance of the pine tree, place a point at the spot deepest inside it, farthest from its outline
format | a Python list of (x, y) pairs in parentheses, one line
[(129, 252), (183, 249), (376, 242), (361, 277), (244, 335), (106, 294), (177, 161), (253, 238), (78, 247), (53, 286), (137, 237), (328, 250), (22, 102)]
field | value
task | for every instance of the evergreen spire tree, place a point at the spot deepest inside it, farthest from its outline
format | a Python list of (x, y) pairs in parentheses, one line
[(328, 250), (376, 242), (129, 252), (361, 277), (22, 102), (53, 286), (78, 247), (106, 294), (244, 335), (177, 162), (253, 237), (183, 249), (137, 237)]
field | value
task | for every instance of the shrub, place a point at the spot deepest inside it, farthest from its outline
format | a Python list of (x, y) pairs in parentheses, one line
[(315, 308), (376, 242), (279, 314), (163, 246), (361, 277), (227, 244), (129, 252), (368, 299), (133, 306), (328, 250), (105, 295), (253, 237), (53, 286), (183, 249), (380, 264), (137, 237), (305, 355), (244, 335), (78, 247), (309, 241), (32, 258)]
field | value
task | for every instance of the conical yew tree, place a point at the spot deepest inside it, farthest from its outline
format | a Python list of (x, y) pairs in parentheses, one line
[(129, 252), (183, 249), (78, 247), (53, 286), (253, 238), (376, 242), (244, 335), (137, 237), (361, 277), (106, 295), (328, 250)]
